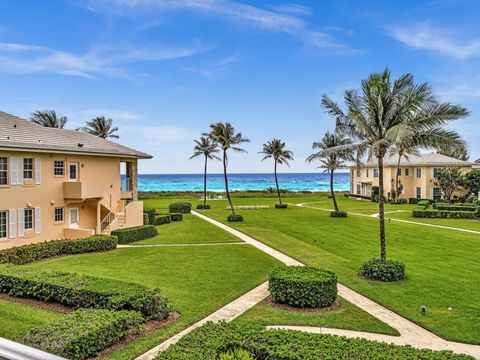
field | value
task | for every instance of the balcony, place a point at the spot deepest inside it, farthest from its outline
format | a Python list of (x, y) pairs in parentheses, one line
[(82, 190), (126, 188)]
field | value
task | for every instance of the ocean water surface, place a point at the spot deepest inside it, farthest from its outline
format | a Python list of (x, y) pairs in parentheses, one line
[(242, 182)]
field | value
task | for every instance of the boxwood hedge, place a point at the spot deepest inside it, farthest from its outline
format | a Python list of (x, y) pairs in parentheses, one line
[(180, 207), (454, 207), (234, 218), (375, 269), (83, 333), (212, 340), (136, 233), (176, 217), (162, 219), (281, 206), (338, 214), (441, 214), (32, 252), (82, 291), (203, 207), (303, 286), (151, 216)]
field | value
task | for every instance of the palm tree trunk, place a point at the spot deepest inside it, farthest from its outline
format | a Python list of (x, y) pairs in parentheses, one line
[(381, 210), (335, 205), (396, 176), (226, 181), (205, 183), (276, 182)]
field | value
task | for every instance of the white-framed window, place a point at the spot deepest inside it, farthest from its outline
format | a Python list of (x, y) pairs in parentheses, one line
[(399, 171), (418, 172), (3, 224), (59, 168), (59, 214), (359, 172), (419, 192), (3, 171), (407, 172), (375, 172), (437, 193), (359, 189), (28, 219), (28, 168), (435, 172)]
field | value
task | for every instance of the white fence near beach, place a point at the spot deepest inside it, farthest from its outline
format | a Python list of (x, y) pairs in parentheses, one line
[(249, 207)]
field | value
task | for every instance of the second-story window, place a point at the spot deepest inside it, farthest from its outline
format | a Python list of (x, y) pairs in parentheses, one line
[(399, 172), (407, 172), (3, 171), (59, 168), (28, 168), (375, 172), (419, 173), (359, 172), (367, 175), (435, 172)]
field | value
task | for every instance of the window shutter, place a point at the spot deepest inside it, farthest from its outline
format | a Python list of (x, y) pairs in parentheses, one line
[(13, 224), (19, 170), (21, 219), (13, 171), (38, 171), (38, 221)]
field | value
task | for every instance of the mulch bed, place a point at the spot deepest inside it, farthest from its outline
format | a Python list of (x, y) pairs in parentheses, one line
[(54, 307), (335, 306)]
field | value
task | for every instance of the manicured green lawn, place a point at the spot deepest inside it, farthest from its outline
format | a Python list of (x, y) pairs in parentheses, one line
[(442, 265), (457, 223), (191, 230), (348, 316), (16, 319)]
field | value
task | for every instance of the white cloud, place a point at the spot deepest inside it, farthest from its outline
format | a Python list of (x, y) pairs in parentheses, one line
[(425, 36), (293, 9), (105, 60)]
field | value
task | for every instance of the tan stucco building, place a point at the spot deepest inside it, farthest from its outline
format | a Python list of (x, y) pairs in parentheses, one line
[(417, 175), (57, 183)]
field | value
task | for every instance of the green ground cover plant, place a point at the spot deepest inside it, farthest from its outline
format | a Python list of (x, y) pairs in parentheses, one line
[(137, 233), (180, 207)]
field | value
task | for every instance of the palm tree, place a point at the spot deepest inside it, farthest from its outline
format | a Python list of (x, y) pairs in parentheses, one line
[(48, 118), (459, 153), (375, 116), (276, 149), (102, 127), (206, 147), (334, 150), (224, 135)]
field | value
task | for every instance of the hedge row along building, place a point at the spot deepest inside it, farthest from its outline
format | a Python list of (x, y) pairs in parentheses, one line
[(57, 183)]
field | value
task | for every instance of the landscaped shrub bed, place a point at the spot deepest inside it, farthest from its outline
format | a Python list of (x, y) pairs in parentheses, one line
[(151, 216), (32, 252), (452, 207), (83, 333), (163, 219), (137, 233), (416, 201), (437, 214), (180, 207), (234, 218), (176, 217), (375, 269), (81, 291), (338, 214), (303, 286), (281, 206), (212, 340), (203, 207)]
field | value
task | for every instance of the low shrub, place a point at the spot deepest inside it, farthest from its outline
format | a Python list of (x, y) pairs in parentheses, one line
[(374, 193), (234, 218), (375, 269), (163, 219), (136, 233), (180, 207), (33, 252), (176, 217), (281, 206), (303, 286), (203, 207), (82, 291), (437, 214), (212, 340), (84, 333), (423, 202), (337, 214), (236, 354), (452, 207), (151, 216), (398, 201)]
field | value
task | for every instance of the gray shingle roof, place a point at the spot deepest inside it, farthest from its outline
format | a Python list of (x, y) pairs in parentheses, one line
[(21, 134), (432, 159)]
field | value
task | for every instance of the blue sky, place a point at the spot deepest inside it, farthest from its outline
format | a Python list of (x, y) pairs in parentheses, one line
[(165, 69)]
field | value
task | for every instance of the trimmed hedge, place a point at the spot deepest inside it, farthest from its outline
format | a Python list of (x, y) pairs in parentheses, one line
[(151, 216), (176, 217), (337, 214), (281, 206), (180, 207), (203, 207), (375, 269), (81, 291), (357, 196), (437, 214), (234, 218), (163, 219), (303, 286), (453, 207), (416, 201), (33, 252), (136, 233), (236, 354), (84, 333), (212, 340)]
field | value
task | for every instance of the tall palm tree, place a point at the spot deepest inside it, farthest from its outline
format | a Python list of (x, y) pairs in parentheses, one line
[(206, 147), (459, 153), (375, 116), (102, 127), (48, 118), (224, 135), (333, 152), (276, 149)]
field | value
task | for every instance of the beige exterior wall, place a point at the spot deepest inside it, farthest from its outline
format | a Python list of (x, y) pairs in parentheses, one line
[(411, 182), (95, 192)]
